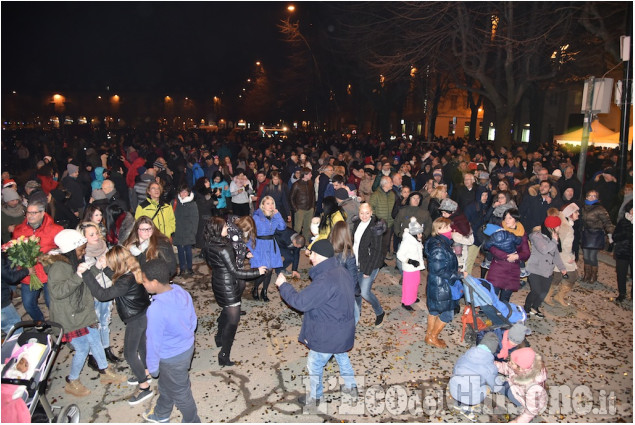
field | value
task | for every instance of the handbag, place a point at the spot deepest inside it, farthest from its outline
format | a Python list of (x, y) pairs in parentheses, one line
[(593, 238)]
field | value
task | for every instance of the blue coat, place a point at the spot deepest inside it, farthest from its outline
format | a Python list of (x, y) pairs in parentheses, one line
[(503, 240), (473, 372), (442, 269), (222, 200), (328, 302), (266, 252)]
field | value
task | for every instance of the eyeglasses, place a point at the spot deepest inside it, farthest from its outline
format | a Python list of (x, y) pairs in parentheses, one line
[(34, 212), (146, 229)]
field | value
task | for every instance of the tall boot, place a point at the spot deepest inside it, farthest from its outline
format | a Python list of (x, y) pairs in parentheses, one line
[(548, 299), (438, 327), (265, 286), (254, 292), (594, 274), (565, 288), (227, 341), (586, 277), (431, 321)]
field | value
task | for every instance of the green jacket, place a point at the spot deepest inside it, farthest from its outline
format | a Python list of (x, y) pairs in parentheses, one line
[(72, 304), (382, 203)]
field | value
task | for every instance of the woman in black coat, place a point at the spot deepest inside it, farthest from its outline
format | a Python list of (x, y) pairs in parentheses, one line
[(221, 259), (367, 233), (147, 243), (623, 250), (205, 202), (132, 301)]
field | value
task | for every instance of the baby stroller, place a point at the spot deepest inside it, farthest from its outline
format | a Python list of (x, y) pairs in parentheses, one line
[(492, 313), (27, 360)]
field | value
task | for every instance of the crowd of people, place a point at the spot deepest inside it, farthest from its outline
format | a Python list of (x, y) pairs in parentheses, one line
[(118, 218)]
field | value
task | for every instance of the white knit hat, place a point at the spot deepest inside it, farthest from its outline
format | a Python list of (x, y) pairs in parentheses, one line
[(68, 240), (570, 209), (414, 228)]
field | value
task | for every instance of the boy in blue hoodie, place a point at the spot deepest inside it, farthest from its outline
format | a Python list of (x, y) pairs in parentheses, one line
[(169, 343)]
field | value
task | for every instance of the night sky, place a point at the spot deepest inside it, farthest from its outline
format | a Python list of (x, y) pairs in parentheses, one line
[(187, 47)]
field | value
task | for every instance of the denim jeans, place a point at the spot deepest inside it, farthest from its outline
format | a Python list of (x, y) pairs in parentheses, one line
[(30, 298), (103, 311), (366, 285), (10, 317), (175, 387), (83, 345), (315, 364), (185, 257)]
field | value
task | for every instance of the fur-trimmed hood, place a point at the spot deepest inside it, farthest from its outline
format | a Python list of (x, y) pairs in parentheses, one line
[(534, 191), (536, 375)]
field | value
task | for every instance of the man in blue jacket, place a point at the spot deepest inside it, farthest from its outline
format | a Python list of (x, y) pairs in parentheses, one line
[(328, 326)]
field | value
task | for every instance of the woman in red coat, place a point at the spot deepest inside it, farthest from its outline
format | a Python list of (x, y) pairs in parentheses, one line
[(504, 272)]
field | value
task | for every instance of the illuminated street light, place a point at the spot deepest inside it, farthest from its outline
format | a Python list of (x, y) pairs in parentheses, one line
[(291, 8), (258, 63)]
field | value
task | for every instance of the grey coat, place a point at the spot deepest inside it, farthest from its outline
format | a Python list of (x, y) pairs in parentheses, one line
[(544, 255), (186, 215)]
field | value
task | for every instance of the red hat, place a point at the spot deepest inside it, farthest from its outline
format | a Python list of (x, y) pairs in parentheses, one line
[(524, 357), (552, 222), (8, 182)]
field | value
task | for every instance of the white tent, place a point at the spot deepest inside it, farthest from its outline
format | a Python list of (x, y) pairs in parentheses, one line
[(599, 136)]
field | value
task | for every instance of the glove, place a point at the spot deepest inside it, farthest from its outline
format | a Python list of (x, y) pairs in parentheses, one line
[(413, 263)]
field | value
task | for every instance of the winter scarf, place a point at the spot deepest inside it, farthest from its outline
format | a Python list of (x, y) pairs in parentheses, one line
[(187, 199), (17, 211), (96, 250)]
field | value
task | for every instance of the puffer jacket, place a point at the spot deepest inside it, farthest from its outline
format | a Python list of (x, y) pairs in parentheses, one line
[(72, 304), (46, 232), (302, 196), (596, 217), (186, 220), (544, 255), (382, 203), (476, 363), (443, 269), (131, 297), (220, 257), (503, 274), (99, 178), (369, 251), (410, 249), (623, 238), (503, 240), (528, 389)]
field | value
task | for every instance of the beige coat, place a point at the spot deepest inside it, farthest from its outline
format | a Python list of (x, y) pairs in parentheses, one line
[(566, 242)]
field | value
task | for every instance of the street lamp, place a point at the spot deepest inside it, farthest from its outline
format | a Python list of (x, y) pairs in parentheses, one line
[(291, 8)]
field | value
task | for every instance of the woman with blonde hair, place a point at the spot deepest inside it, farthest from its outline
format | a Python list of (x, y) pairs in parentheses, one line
[(132, 301), (95, 250), (438, 194), (265, 249), (340, 238), (443, 270), (147, 243)]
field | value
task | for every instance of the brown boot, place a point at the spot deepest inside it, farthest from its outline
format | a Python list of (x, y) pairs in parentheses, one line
[(76, 388), (594, 274), (431, 322), (565, 288), (586, 277), (548, 300), (107, 376), (438, 327)]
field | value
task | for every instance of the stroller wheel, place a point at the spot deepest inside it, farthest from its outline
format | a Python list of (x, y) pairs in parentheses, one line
[(69, 415)]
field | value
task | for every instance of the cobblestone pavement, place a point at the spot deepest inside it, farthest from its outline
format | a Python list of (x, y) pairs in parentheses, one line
[(588, 351)]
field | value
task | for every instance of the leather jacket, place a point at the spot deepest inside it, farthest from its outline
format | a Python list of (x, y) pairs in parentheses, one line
[(302, 196), (221, 259), (131, 298)]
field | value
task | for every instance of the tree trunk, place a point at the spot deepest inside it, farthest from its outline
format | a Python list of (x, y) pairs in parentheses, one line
[(536, 111), (504, 119)]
